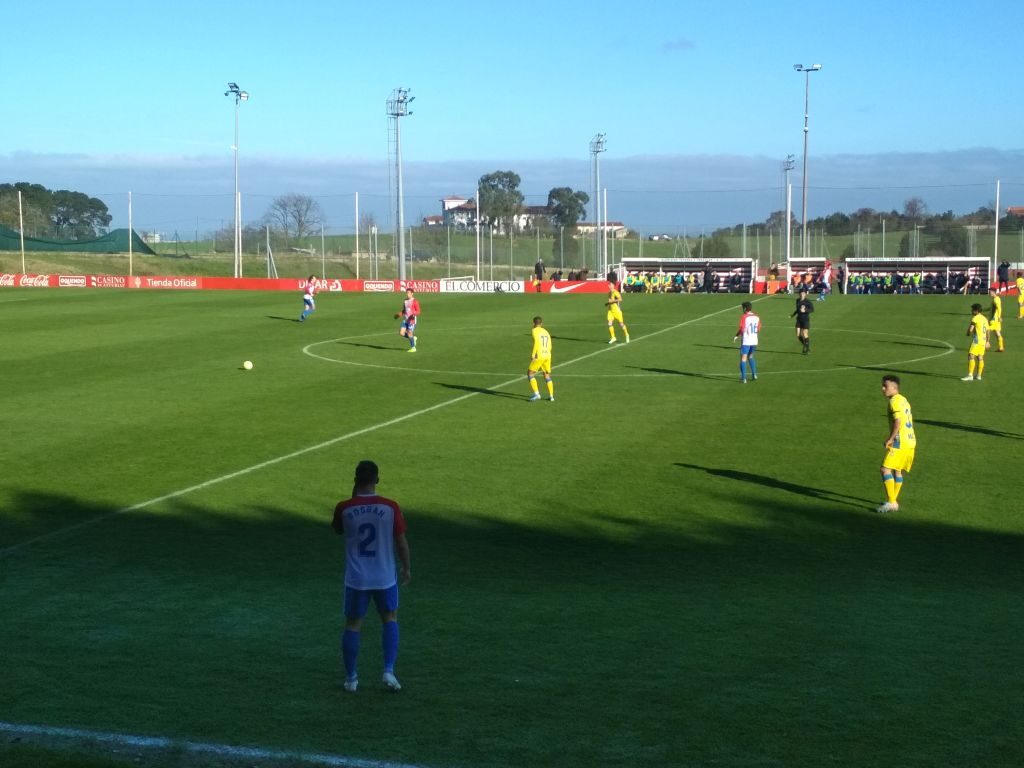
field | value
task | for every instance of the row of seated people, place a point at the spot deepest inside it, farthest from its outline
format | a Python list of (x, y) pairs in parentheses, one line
[(683, 282), (914, 282)]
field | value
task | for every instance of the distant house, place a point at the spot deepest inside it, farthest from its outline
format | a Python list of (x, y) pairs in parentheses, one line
[(530, 216), (615, 229), (458, 212), (1015, 210), (433, 221)]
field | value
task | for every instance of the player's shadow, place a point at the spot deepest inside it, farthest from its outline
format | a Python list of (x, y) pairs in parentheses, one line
[(887, 369), (573, 338), (671, 372), (286, 319), (718, 346), (911, 344), (481, 390), (370, 346), (773, 482), (971, 428)]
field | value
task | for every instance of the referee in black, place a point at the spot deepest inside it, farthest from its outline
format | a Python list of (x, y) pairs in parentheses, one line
[(802, 313)]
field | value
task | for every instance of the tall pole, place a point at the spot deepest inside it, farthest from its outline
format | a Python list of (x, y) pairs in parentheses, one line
[(477, 217), (604, 238), (597, 146), (21, 232), (357, 235), (789, 225), (398, 107), (131, 230), (240, 96), (807, 98), (995, 250)]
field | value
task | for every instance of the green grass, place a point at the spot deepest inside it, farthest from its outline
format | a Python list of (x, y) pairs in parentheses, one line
[(661, 568)]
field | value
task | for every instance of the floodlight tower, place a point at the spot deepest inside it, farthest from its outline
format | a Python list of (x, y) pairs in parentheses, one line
[(398, 107), (240, 96), (807, 95), (596, 148)]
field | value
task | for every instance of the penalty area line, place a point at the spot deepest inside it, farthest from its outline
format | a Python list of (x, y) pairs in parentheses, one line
[(325, 444), (157, 743)]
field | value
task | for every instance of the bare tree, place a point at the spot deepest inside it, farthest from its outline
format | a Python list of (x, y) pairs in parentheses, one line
[(295, 215), (915, 209), (366, 222)]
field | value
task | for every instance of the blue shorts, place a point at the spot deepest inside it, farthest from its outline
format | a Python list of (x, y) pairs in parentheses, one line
[(409, 325), (748, 349), (357, 601), (308, 303)]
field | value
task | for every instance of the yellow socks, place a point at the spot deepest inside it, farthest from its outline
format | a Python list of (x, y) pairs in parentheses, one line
[(890, 488)]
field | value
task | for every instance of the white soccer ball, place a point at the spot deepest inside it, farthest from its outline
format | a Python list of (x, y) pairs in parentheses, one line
[(247, 365)]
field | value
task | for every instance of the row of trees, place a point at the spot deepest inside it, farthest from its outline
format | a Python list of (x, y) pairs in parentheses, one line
[(60, 213)]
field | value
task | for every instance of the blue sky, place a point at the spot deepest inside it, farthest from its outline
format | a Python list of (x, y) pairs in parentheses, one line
[(111, 95)]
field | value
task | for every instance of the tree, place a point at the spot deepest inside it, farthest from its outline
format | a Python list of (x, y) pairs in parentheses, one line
[(60, 213), (567, 208), (78, 216), (36, 222), (294, 216), (914, 208), (953, 240), (500, 198)]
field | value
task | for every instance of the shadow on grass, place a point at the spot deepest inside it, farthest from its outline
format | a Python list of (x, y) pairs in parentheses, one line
[(911, 344), (673, 372), (482, 390), (188, 620), (574, 338), (971, 428), (371, 346), (772, 482), (887, 369), (286, 319)]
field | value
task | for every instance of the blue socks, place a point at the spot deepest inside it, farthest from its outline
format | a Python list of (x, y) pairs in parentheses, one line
[(389, 644), (350, 651), (752, 365)]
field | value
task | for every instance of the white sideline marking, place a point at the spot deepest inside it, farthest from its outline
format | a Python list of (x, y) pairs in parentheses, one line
[(327, 443), (222, 750)]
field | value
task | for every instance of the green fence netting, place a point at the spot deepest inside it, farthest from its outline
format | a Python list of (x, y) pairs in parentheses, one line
[(115, 241)]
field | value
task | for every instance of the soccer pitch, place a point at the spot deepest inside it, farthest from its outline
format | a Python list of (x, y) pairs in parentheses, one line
[(661, 568)]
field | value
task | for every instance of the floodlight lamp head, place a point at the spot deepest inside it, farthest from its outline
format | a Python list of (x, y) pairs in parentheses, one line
[(798, 67), (815, 67), (243, 95)]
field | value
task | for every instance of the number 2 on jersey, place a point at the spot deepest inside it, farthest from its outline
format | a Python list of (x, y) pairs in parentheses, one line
[(367, 540)]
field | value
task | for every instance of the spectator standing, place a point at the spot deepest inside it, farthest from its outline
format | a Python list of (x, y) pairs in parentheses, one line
[(1003, 273)]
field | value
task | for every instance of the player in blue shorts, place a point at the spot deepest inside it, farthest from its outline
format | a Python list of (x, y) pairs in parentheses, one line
[(750, 326), (374, 531)]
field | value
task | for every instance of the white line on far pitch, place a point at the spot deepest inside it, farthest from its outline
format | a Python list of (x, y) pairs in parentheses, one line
[(328, 443)]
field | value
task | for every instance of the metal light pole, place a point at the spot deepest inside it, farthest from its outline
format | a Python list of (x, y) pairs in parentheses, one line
[(398, 107), (807, 94), (596, 148), (240, 96)]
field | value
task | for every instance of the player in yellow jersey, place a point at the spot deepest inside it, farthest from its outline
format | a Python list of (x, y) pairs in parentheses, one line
[(977, 332), (614, 305), (899, 446), (540, 360), (995, 323), (1020, 296)]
